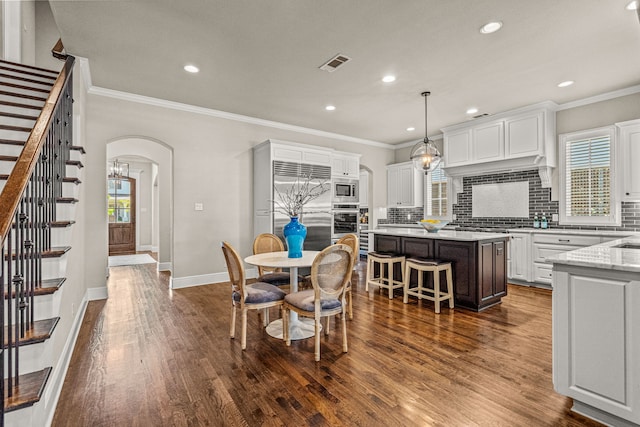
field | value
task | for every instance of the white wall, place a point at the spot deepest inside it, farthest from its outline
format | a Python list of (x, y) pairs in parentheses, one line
[(212, 164)]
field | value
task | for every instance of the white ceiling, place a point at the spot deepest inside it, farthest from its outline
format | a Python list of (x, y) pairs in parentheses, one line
[(261, 58)]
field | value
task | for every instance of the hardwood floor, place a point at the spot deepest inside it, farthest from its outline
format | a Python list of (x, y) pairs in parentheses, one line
[(149, 356)]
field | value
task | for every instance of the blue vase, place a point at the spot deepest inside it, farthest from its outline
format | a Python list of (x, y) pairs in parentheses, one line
[(294, 233)]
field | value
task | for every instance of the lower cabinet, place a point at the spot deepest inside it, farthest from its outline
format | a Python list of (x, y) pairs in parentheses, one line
[(479, 267)]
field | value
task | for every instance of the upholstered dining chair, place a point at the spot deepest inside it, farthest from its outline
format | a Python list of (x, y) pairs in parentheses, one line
[(267, 242), (256, 296), (330, 273), (353, 242)]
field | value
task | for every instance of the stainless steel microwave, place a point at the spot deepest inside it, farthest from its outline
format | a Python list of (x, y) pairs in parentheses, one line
[(345, 190)]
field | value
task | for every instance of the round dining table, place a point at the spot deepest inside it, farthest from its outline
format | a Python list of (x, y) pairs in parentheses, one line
[(298, 328)]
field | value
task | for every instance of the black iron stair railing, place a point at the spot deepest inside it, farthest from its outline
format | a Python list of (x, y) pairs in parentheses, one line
[(27, 211)]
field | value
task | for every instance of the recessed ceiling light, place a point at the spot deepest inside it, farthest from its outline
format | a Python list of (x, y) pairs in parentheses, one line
[(191, 68), (633, 5), (389, 79), (565, 83), (330, 107), (472, 110), (411, 129), (491, 27)]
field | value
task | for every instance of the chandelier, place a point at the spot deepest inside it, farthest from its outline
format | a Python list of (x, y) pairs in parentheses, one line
[(118, 170), (425, 154)]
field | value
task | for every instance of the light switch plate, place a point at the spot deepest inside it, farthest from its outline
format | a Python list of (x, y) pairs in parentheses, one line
[(199, 207), (554, 217)]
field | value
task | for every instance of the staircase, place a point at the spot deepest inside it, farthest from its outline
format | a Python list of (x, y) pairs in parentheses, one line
[(39, 175)]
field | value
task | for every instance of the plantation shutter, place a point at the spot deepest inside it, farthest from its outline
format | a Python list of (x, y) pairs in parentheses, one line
[(588, 177)]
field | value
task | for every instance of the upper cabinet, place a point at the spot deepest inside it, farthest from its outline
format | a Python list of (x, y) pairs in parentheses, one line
[(364, 189), (519, 139), (297, 153), (405, 186), (345, 165), (630, 155)]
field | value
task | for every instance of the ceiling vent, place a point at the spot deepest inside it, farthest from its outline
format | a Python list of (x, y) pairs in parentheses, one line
[(335, 62)]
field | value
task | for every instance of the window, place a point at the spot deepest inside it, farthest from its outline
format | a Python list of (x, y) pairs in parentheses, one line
[(587, 178), (437, 193), (119, 200)]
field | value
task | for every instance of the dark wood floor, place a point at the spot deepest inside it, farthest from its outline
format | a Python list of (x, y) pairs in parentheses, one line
[(149, 356)]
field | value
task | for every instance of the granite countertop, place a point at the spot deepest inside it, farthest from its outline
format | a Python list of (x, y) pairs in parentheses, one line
[(604, 256), (468, 236)]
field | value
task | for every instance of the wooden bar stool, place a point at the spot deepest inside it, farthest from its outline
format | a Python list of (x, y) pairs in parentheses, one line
[(434, 266), (383, 280)]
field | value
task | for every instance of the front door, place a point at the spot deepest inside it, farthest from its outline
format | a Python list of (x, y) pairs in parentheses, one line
[(122, 215)]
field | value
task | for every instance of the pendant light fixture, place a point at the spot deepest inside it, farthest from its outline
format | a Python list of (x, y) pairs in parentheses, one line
[(425, 155), (118, 170)]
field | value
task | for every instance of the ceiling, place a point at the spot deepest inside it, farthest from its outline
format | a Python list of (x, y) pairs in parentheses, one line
[(261, 58)]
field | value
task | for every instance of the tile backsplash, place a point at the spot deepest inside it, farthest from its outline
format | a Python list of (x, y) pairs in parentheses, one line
[(539, 201)]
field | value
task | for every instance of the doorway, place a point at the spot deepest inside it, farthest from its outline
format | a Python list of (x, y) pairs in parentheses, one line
[(121, 209)]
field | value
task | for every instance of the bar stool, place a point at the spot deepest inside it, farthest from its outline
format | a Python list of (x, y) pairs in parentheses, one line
[(384, 280), (434, 266)]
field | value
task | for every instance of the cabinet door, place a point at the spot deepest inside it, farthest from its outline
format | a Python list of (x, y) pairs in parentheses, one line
[(345, 166), (524, 135), (406, 186), (392, 187), (486, 268), (364, 190), (520, 260), (488, 142), (499, 269), (457, 147), (631, 158)]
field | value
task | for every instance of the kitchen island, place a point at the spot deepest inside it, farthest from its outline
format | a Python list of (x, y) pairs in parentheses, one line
[(478, 260), (596, 330)]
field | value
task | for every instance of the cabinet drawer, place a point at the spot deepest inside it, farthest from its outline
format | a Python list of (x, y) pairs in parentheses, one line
[(542, 273), (542, 252), (566, 239)]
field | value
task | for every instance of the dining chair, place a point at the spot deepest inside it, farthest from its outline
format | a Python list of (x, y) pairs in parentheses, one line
[(267, 242), (330, 273), (256, 296), (353, 242)]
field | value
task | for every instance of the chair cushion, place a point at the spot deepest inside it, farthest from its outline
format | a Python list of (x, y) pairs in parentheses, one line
[(384, 254), (427, 261), (260, 292), (304, 300), (276, 279)]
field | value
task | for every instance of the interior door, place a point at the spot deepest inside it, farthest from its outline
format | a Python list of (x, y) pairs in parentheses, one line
[(121, 208)]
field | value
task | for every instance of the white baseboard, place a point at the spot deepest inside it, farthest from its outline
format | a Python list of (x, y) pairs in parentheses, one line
[(94, 294), (56, 380), (145, 248), (206, 279), (165, 266)]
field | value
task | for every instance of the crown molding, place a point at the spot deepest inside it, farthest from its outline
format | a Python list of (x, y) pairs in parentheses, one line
[(147, 100), (412, 143), (598, 98)]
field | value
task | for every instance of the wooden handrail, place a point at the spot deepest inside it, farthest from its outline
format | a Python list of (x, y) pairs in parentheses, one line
[(17, 182), (58, 51)]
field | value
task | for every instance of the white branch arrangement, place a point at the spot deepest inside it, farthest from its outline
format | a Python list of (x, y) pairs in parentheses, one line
[(292, 201)]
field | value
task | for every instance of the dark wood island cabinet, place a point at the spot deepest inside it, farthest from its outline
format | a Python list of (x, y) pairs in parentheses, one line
[(478, 260)]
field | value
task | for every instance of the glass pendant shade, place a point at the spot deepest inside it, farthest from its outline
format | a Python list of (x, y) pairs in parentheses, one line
[(425, 155)]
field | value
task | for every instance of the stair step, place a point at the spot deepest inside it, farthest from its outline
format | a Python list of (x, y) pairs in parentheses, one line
[(15, 128), (77, 163), (19, 105), (54, 252), (4, 158), (62, 224), (53, 73), (67, 200), (26, 80), (23, 87), (72, 180), (18, 116), (40, 331), (78, 148), (50, 77), (29, 392), (47, 287), (22, 95), (11, 142)]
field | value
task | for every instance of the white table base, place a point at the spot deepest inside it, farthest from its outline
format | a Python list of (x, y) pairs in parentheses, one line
[(298, 328)]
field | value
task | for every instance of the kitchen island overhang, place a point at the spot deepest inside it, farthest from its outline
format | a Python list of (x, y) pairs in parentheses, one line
[(478, 259)]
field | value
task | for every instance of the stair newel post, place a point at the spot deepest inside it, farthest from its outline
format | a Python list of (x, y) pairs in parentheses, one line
[(4, 285), (9, 263)]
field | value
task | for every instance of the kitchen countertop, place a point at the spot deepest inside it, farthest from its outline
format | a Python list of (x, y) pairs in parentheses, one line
[(611, 233), (604, 256), (468, 236)]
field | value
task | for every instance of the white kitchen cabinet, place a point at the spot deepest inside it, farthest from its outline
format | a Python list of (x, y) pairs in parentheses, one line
[(299, 154), (405, 186), (488, 142), (516, 140), (596, 342), (364, 189), (457, 147), (524, 135), (345, 165), (630, 144), (519, 257)]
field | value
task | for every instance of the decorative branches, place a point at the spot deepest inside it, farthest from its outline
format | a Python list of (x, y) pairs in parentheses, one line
[(291, 201)]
